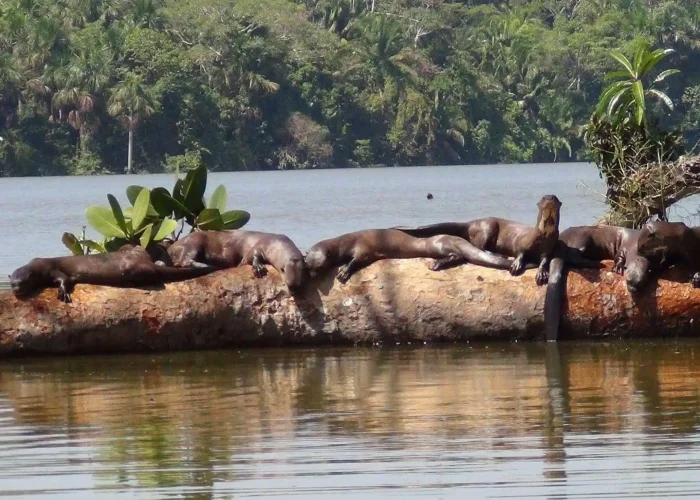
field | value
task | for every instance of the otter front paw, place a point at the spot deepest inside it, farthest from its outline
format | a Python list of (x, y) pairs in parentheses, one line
[(542, 277), (619, 267), (64, 295), (259, 270), (695, 280), (343, 274), (516, 267)]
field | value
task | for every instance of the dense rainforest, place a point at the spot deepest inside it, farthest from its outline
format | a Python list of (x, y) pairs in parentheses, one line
[(284, 84)]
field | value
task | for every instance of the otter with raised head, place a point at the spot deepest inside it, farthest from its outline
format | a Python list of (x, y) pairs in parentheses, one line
[(527, 244), (127, 267), (668, 243), (225, 249), (585, 247), (354, 251)]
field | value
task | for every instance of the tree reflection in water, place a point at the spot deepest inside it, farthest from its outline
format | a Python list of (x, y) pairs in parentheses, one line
[(196, 423)]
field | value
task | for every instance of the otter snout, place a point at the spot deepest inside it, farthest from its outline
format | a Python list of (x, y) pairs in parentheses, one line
[(637, 275), (295, 275), (19, 284)]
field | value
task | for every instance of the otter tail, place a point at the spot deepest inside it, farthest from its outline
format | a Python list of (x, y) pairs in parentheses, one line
[(554, 297), (169, 274), (449, 228)]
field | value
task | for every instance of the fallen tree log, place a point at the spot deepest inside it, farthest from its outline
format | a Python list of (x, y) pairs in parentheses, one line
[(390, 301)]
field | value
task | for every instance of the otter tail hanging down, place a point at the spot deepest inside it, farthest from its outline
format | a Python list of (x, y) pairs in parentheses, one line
[(554, 297)]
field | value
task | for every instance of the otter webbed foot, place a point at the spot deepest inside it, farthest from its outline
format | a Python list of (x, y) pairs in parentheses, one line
[(517, 267), (259, 270), (445, 262), (64, 295), (344, 274), (695, 280), (619, 266), (542, 277)]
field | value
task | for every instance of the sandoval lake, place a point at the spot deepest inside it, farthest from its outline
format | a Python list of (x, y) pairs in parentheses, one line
[(438, 421)]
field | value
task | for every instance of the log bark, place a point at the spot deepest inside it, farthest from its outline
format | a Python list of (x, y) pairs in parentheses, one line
[(389, 302)]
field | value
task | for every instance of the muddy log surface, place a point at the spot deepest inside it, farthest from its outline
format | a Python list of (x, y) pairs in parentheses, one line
[(389, 302)]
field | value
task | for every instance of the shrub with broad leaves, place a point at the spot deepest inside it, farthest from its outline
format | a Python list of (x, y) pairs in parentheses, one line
[(156, 214)]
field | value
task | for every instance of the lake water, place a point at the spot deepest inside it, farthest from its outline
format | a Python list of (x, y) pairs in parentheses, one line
[(458, 421), (488, 421)]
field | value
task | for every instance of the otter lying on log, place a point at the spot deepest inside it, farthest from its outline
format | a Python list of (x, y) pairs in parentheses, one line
[(129, 266), (526, 243), (388, 301), (360, 249), (669, 243), (586, 247), (226, 249)]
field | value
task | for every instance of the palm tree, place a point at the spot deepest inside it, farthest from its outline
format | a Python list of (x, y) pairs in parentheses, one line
[(80, 82), (10, 78), (129, 103), (626, 98), (381, 46)]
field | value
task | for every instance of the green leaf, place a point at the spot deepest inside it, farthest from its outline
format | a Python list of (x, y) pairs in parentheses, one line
[(102, 220), (653, 59), (638, 92), (612, 106), (218, 198), (72, 243), (162, 202), (608, 94), (663, 98), (164, 228), (132, 192), (177, 190), (616, 74), (235, 219), (193, 188), (210, 220), (662, 76), (639, 57), (179, 197), (94, 245), (118, 214), (146, 236), (141, 208), (620, 57)]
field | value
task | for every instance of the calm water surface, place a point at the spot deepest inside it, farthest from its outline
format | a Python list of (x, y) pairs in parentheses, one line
[(499, 421)]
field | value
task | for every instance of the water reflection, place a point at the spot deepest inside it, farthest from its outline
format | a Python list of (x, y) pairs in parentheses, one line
[(505, 420)]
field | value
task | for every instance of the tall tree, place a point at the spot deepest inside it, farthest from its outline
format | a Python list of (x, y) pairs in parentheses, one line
[(130, 103), (81, 83)]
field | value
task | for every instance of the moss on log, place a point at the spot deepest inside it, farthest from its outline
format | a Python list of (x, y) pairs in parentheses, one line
[(391, 301)]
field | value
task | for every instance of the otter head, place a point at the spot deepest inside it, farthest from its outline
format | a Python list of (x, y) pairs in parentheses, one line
[(316, 260), (27, 279), (294, 272), (650, 243), (548, 216), (638, 272)]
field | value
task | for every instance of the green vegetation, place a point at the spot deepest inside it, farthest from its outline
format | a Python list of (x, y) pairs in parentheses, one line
[(157, 214), (632, 152), (89, 86)]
